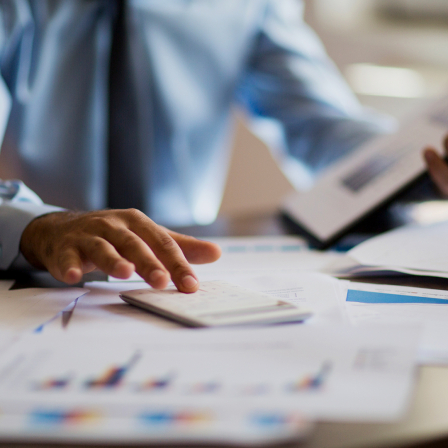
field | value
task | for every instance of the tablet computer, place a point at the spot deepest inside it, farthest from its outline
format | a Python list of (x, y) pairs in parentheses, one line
[(367, 178)]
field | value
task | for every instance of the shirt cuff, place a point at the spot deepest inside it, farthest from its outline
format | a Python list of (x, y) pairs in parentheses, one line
[(14, 217)]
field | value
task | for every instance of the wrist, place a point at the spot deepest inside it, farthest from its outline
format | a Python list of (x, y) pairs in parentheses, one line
[(37, 238)]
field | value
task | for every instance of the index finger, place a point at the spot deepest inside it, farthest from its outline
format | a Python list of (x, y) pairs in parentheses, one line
[(166, 250)]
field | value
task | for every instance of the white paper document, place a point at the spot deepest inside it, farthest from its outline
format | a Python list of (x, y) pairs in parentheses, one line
[(368, 176), (129, 424), (312, 290), (400, 305), (102, 310), (133, 388), (6, 284), (347, 267), (416, 247), (7, 337), (30, 308)]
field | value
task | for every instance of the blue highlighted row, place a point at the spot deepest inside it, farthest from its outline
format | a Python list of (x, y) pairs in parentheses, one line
[(380, 297)]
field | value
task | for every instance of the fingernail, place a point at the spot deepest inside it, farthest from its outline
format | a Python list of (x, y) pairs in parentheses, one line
[(156, 275), (189, 282), (73, 275)]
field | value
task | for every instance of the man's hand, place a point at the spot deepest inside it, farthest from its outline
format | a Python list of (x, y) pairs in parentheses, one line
[(438, 168), (117, 242)]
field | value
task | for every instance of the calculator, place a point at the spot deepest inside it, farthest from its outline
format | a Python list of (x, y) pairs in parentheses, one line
[(216, 303)]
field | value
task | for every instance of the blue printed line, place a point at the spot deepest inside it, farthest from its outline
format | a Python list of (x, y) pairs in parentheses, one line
[(380, 297)]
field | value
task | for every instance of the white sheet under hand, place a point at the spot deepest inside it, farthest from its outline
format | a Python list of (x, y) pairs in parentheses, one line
[(26, 309)]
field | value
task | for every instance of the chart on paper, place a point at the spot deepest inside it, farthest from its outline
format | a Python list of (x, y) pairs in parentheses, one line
[(319, 372)]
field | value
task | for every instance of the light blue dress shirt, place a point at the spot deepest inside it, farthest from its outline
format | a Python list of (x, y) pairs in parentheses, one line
[(190, 62)]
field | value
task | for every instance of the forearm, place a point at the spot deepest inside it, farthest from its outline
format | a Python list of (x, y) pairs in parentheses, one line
[(290, 79)]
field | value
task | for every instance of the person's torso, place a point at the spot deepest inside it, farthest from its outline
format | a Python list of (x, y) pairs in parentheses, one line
[(186, 59)]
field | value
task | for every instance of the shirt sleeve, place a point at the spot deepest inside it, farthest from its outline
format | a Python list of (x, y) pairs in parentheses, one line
[(291, 81), (18, 204), (18, 207)]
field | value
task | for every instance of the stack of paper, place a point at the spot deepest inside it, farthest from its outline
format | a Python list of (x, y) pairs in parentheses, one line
[(414, 249)]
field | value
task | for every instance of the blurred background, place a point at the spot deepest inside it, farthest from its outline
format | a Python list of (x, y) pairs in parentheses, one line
[(394, 55)]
